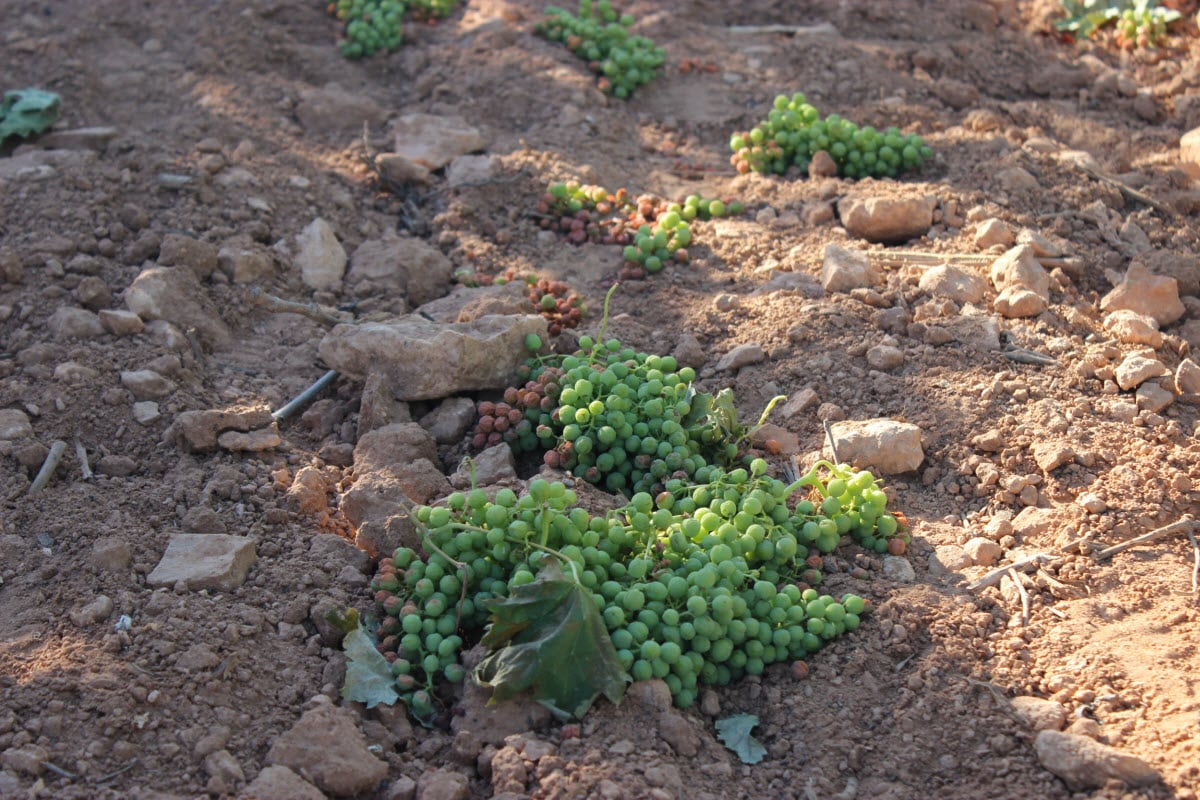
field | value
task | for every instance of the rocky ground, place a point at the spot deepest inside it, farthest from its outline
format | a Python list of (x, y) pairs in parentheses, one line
[(1021, 325)]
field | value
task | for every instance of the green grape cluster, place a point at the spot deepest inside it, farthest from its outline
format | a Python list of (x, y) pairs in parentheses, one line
[(794, 132), (371, 25), (601, 37), (1144, 25), (620, 419), (701, 584)]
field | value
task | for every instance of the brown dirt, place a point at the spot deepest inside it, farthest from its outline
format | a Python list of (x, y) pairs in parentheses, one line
[(915, 704)]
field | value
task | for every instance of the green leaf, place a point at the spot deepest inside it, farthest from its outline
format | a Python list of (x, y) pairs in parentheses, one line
[(548, 637), (734, 733), (368, 675), (27, 111)]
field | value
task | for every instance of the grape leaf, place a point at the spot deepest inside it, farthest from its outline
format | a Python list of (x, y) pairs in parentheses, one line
[(368, 675), (548, 636), (734, 733), (27, 111)]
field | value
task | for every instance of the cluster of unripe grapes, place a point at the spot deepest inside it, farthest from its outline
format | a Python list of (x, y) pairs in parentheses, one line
[(794, 132), (374, 25), (709, 579), (601, 37), (561, 306), (1144, 26), (653, 231), (371, 25)]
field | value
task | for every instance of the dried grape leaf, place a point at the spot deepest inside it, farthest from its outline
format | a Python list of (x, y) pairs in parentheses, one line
[(25, 112), (734, 733), (368, 675), (548, 637)]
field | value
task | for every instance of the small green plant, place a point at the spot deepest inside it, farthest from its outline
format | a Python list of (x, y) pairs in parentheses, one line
[(601, 37), (374, 25), (1139, 23), (794, 132)]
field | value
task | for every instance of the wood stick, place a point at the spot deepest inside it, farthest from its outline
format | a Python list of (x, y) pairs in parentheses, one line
[(829, 438), (51, 463), (1125, 189), (993, 577), (1185, 524), (278, 305), (917, 257), (1195, 564), (81, 454), (117, 773), (1023, 356), (1016, 579)]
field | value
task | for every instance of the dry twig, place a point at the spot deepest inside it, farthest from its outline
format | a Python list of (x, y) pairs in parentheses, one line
[(278, 305), (1125, 189), (993, 577), (51, 463), (81, 454), (1013, 576), (1186, 524), (1195, 564), (823, 29)]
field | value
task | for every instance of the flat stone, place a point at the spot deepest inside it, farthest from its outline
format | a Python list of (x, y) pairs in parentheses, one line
[(953, 283), (483, 354), (326, 747), (120, 322), (74, 372), (1018, 301), (214, 561), (450, 421), (948, 558), (1187, 381), (993, 232), (465, 303), (14, 424), (983, 551), (332, 110), (898, 569), (434, 141), (843, 270), (887, 220), (1130, 327), (146, 384), (885, 357), (398, 169), (407, 267), (889, 446), (804, 400), (28, 759), (1137, 369), (245, 262), (740, 356), (197, 431), (471, 171), (97, 610), (111, 554), (1189, 152), (1084, 763), (74, 323), (1049, 456), (1146, 293), (1040, 714), (443, 784), (1019, 266), (320, 256), (145, 412), (494, 465), (1153, 398), (251, 441), (173, 294), (179, 250), (1184, 267), (280, 783)]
